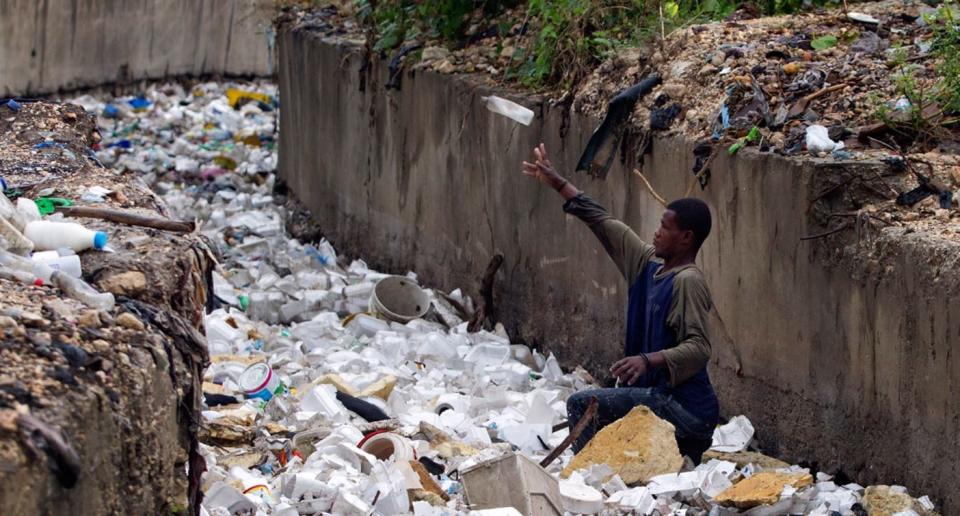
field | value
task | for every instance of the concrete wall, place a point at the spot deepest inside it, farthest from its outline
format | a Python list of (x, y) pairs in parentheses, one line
[(815, 341), (50, 45)]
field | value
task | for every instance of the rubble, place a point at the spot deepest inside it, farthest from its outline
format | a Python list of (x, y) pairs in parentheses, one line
[(359, 414), (764, 488), (637, 448)]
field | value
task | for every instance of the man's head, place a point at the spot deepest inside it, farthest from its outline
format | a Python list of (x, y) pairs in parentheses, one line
[(683, 228)]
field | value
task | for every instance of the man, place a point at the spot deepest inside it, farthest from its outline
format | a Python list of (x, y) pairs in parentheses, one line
[(667, 346)]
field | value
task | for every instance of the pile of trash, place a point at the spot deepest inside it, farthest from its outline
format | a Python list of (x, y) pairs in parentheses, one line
[(335, 388)]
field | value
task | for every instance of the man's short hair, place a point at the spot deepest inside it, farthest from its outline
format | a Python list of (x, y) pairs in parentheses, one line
[(692, 215)]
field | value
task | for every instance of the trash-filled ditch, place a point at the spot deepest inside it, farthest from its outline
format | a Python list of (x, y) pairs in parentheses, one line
[(335, 388)]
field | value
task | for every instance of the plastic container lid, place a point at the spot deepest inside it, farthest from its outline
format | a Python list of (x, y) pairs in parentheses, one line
[(99, 240)]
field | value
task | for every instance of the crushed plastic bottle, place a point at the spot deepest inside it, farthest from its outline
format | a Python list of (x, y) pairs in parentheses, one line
[(78, 289)]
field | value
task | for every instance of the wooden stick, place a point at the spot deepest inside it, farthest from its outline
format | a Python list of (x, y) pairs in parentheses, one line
[(826, 233), (578, 429), (653, 192), (129, 218), (824, 91), (486, 291)]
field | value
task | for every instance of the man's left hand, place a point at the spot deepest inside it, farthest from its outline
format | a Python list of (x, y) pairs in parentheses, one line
[(631, 368)]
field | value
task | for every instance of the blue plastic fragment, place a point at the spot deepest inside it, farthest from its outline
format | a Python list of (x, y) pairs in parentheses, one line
[(139, 103), (111, 111), (724, 123), (44, 145), (13, 105), (123, 144)]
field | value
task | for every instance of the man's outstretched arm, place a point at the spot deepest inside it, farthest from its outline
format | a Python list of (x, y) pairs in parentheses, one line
[(628, 251)]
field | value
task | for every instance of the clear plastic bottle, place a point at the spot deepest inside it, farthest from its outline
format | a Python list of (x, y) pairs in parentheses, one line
[(78, 289), (38, 270), (509, 109), (20, 276), (9, 211), (16, 242)]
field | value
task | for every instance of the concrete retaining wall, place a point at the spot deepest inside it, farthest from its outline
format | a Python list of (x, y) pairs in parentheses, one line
[(814, 341), (51, 45)]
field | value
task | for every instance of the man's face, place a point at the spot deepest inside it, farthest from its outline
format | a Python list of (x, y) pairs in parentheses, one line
[(670, 240)]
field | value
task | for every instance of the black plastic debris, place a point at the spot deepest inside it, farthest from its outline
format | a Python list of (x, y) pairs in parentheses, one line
[(702, 153), (366, 410), (946, 199), (663, 115), (618, 111), (396, 66)]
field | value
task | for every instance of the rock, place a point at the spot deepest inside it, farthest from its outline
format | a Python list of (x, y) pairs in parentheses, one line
[(791, 68), (445, 66), (764, 488), (89, 319), (130, 283), (637, 447), (507, 52), (675, 90), (434, 53), (7, 322), (128, 320), (709, 69), (888, 500), (742, 458)]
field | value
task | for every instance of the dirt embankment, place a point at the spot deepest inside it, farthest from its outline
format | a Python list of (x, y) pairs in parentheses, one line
[(98, 408)]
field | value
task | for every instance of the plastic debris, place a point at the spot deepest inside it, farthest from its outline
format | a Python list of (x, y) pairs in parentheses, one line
[(509, 109), (733, 436), (818, 140), (344, 396)]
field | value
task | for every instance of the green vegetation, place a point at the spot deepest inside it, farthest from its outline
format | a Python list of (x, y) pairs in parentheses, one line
[(927, 100), (558, 41)]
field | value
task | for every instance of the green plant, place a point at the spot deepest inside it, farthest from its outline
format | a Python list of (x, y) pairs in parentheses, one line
[(925, 105)]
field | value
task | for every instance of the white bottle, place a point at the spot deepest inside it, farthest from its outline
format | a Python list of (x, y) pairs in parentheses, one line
[(69, 264), (509, 109), (78, 289), (48, 236)]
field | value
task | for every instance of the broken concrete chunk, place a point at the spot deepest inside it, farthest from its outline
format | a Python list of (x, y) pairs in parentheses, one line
[(889, 500), (637, 447), (764, 488), (742, 458)]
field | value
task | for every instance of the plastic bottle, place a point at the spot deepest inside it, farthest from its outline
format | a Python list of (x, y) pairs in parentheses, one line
[(28, 209), (25, 265), (52, 259), (16, 242), (511, 110), (23, 277), (78, 289), (10, 212), (48, 236)]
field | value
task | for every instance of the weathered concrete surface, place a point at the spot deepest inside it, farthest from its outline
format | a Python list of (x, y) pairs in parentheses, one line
[(51, 45), (121, 386), (839, 349)]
